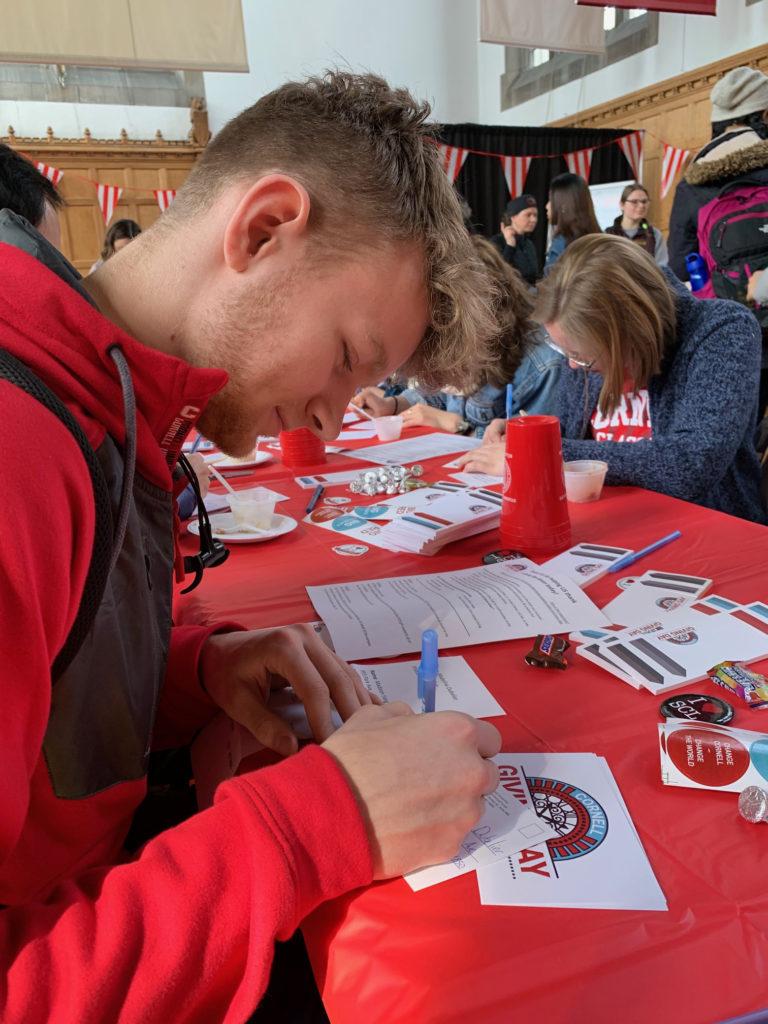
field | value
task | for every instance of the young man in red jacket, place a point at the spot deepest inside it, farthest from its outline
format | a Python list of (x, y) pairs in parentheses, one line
[(316, 247)]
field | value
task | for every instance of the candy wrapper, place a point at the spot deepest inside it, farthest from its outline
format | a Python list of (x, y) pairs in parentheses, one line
[(737, 678)]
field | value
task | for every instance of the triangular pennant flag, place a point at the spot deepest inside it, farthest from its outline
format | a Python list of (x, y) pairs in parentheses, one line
[(515, 171), (671, 165), (580, 162), (109, 197), (632, 147), (53, 174), (452, 159), (164, 197)]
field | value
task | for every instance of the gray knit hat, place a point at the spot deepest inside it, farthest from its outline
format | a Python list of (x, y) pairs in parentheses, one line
[(741, 92)]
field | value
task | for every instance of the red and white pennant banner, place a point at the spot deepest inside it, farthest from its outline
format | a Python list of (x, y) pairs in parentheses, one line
[(580, 162), (109, 197), (515, 171), (632, 148), (671, 165), (53, 174), (452, 160), (164, 197)]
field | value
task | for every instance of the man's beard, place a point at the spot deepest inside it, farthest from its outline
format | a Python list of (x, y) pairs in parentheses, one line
[(232, 338)]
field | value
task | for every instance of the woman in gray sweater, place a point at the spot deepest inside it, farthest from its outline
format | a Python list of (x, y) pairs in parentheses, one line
[(660, 385)]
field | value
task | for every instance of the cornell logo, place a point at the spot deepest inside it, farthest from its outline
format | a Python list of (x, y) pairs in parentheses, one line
[(681, 636)]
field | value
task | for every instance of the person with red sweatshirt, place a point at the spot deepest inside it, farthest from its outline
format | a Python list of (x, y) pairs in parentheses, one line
[(256, 303)]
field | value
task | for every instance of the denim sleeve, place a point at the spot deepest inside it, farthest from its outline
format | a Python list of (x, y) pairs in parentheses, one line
[(555, 251), (187, 503), (413, 396), (536, 384)]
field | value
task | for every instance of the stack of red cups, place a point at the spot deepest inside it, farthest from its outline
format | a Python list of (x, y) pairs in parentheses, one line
[(301, 447)]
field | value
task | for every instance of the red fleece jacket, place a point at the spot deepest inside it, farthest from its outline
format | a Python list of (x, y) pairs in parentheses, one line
[(185, 932)]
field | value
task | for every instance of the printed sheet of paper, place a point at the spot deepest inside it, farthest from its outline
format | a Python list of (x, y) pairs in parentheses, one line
[(509, 824), (506, 601), (585, 563), (416, 449), (654, 594), (597, 860), (358, 434), (458, 687), (478, 479), (698, 755)]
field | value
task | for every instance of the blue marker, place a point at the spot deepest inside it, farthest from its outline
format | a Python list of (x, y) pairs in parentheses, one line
[(428, 669), (510, 401), (633, 557)]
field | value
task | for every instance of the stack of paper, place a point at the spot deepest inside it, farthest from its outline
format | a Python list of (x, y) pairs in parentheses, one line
[(703, 756), (385, 617), (415, 449), (585, 563), (556, 833), (680, 647)]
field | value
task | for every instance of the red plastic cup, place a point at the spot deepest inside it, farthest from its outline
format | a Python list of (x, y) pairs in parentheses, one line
[(301, 447), (534, 510)]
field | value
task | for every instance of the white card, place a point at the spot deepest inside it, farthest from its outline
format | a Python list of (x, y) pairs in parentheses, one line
[(477, 479), (585, 563), (654, 594), (416, 449), (597, 860), (458, 687)]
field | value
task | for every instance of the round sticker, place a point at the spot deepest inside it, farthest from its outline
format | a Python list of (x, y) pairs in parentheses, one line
[(343, 522), (697, 707), (709, 758), (350, 549), (370, 511), (759, 754), (324, 515), (625, 582), (340, 500)]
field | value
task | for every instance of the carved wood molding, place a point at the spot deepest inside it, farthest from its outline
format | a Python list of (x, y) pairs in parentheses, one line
[(692, 85), (88, 146)]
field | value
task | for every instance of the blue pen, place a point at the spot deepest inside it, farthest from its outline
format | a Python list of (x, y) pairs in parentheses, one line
[(315, 497), (510, 401), (196, 444), (428, 669), (632, 558)]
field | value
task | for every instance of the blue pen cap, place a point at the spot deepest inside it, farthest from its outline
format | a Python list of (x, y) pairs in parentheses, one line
[(429, 663)]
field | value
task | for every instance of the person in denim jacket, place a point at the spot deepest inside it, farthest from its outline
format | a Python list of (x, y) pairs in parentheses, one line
[(523, 358)]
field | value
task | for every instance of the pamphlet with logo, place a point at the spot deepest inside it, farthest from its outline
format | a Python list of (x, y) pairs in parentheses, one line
[(596, 860), (680, 648), (698, 755), (653, 594), (586, 563)]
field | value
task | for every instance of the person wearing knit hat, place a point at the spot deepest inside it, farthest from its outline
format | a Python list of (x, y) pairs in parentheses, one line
[(520, 217), (738, 148)]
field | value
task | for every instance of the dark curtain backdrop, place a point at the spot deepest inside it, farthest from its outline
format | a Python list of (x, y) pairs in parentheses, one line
[(481, 179)]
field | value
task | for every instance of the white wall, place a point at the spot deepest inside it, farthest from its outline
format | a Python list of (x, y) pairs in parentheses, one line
[(685, 43), (430, 46)]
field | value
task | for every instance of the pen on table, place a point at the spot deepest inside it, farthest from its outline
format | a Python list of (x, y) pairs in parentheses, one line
[(196, 444), (633, 557), (315, 497), (428, 669)]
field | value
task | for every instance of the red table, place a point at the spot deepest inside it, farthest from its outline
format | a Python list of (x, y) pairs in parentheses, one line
[(386, 955)]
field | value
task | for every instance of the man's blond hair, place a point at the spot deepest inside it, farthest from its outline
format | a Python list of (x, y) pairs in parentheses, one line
[(609, 294), (368, 157)]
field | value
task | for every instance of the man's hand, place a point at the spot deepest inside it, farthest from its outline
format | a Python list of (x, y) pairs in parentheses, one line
[(753, 280), (495, 432), (202, 471), (238, 671), (419, 780), (422, 415), (374, 402), (488, 458)]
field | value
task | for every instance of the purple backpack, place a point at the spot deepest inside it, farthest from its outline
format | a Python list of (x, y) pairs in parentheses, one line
[(733, 240)]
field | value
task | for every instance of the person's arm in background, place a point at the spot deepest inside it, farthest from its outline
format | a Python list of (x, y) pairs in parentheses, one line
[(682, 236), (662, 253), (555, 251), (710, 416)]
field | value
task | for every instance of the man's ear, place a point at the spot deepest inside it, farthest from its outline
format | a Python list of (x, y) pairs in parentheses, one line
[(273, 212)]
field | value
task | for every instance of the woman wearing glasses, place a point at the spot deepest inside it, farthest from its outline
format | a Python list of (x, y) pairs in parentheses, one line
[(661, 386), (632, 223)]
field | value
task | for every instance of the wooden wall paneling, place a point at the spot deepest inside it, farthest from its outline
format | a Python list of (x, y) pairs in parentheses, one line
[(138, 166), (676, 111)]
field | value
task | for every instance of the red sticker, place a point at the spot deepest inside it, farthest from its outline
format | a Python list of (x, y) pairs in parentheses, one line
[(709, 758)]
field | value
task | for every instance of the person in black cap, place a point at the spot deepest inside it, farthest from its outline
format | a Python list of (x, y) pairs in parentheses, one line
[(519, 220)]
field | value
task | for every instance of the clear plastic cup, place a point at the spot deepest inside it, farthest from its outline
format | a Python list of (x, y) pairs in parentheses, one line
[(388, 428), (253, 508), (584, 480)]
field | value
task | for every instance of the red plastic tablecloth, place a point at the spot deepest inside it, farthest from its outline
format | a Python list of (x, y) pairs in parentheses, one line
[(386, 955)]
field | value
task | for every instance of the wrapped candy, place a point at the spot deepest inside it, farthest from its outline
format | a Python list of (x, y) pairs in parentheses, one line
[(386, 480)]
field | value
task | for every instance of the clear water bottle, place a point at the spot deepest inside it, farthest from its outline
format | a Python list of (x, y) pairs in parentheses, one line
[(698, 274)]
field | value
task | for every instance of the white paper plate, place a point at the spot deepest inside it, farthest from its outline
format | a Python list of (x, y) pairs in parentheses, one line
[(226, 465), (225, 528)]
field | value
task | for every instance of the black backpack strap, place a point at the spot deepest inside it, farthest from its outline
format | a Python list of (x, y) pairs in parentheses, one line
[(16, 373)]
